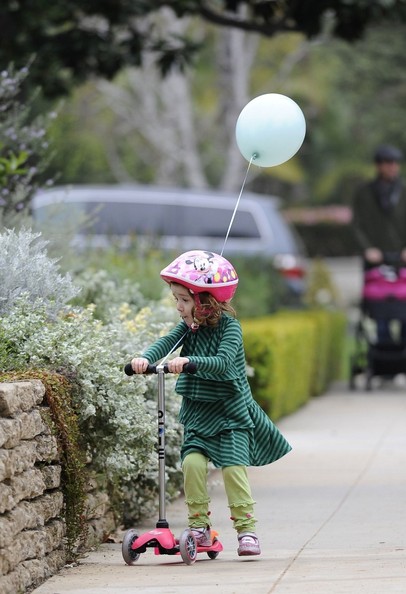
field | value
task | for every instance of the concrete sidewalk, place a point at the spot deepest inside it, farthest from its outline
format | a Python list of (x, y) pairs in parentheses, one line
[(332, 514)]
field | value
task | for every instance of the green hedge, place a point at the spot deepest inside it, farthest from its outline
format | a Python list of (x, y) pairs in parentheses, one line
[(295, 356)]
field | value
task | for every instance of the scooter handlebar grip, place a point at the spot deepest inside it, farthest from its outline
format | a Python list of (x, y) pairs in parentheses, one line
[(187, 368), (128, 370), (190, 368)]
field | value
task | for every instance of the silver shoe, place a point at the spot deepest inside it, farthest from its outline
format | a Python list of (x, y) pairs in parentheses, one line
[(248, 544), (202, 536)]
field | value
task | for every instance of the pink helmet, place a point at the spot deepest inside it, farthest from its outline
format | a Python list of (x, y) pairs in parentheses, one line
[(202, 271)]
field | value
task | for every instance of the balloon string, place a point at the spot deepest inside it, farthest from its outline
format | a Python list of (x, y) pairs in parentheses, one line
[(238, 202), (173, 349)]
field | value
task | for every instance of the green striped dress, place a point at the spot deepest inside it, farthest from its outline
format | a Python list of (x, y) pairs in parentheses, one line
[(221, 419)]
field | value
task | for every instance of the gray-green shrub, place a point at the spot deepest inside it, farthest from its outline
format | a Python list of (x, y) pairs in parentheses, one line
[(117, 415), (26, 268)]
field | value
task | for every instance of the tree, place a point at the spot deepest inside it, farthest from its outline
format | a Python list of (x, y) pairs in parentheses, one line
[(178, 130), (167, 116), (77, 39), (23, 148), (363, 108)]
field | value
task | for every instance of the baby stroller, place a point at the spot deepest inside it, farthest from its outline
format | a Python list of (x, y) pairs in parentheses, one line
[(383, 302)]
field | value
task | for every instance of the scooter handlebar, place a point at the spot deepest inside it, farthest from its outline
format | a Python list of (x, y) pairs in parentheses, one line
[(187, 368)]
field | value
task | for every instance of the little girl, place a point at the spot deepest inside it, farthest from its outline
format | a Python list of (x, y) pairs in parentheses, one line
[(222, 422)]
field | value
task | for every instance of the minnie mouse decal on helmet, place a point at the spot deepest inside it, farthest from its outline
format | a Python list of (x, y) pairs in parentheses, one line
[(201, 271)]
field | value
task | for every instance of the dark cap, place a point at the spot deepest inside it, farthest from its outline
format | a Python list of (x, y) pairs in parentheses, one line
[(386, 152)]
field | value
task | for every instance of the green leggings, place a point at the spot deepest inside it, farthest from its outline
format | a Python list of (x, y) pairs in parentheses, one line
[(240, 502)]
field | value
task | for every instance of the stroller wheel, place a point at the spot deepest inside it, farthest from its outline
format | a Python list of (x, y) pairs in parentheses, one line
[(188, 547), (129, 555)]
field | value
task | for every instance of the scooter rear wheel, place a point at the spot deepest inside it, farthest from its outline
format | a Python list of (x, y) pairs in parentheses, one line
[(188, 547), (129, 555)]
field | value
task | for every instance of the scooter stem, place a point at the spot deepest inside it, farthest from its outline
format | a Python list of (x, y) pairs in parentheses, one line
[(162, 522)]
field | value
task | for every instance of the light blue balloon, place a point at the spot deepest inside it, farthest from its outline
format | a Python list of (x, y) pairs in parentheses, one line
[(271, 129)]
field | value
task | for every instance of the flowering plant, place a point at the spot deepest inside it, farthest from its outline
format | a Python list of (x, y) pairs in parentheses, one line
[(117, 414)]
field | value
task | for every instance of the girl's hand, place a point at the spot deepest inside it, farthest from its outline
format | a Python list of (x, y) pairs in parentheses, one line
[(139, 364), (176, 364)]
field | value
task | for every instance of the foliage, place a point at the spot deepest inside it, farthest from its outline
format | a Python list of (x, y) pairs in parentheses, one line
[(78, 138), (349, 18), (282, 370), (133, 273), (25, 268), (295, 356), (355, 118), (63, 422), (12, 165), (23, 147), (109, 275), (105, 292), (76, 40), (262, 290), (116, 415), (344, 120), (83, 346), (328, 240), (321, 290)]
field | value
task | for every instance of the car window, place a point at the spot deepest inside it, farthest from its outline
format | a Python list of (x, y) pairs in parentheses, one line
[(177, 220), (128, 218), (214, 222), (60, 213)]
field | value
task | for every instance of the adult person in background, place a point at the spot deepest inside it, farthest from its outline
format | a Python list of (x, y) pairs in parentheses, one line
[(379, 218)]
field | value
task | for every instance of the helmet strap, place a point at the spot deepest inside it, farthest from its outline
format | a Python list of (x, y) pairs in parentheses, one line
[(199, 309)]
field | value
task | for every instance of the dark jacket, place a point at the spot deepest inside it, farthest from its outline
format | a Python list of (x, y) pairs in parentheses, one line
[(379, 216)]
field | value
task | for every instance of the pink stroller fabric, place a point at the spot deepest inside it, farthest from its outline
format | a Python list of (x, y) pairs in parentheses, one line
[(383, 282)]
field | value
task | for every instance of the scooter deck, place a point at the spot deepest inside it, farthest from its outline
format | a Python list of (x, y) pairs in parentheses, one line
[(164, 542)]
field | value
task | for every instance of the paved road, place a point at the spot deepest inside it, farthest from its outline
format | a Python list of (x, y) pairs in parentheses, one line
[(332, 514)]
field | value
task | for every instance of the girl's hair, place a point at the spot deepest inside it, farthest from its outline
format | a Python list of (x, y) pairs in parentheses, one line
[(211, 311)]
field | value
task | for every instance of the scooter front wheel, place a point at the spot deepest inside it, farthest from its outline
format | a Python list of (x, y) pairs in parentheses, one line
[(188, 547), (129, 555)]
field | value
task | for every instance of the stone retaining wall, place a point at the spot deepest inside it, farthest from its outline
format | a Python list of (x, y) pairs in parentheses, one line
[(31, 502)]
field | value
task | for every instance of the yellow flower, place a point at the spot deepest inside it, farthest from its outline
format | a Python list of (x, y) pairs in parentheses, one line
[(124, 311)]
